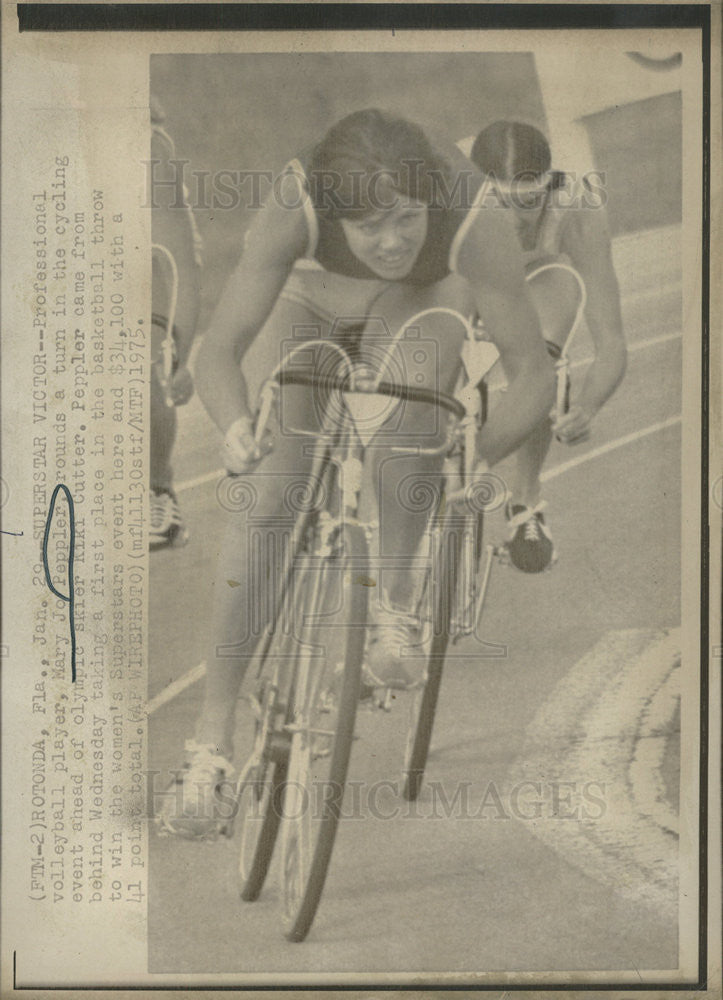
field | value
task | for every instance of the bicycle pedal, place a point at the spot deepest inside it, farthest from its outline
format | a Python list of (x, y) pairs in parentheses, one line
[(221, 829), (178, 538), (385, 703), (367, 704), (366, 692), (553, 562), (212, 836), (174, 539), (380, 699), (502, 554)]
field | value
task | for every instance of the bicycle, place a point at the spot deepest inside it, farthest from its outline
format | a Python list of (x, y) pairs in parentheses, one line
[(308, 665), (560, 297), (455, 557)]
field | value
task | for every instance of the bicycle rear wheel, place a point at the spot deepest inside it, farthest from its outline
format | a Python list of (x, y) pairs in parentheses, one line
[(321, 721), (442, 578)]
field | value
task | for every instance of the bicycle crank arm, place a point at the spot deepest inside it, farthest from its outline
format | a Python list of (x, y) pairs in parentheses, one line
[(491, 552)]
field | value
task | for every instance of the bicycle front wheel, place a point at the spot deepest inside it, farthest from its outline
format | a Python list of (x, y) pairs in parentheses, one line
[(321, 722), (262, 783)]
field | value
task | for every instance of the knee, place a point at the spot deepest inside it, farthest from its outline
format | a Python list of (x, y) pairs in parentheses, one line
[(425, 329), (431, 349)]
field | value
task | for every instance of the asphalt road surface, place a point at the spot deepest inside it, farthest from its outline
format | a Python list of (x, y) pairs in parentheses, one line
[(546, 837)]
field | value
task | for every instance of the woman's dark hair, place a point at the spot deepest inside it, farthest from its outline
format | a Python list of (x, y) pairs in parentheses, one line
[(512, 150), (367, 155)]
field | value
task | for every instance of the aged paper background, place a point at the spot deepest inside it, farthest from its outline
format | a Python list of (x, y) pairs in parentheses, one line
[(90, 897)]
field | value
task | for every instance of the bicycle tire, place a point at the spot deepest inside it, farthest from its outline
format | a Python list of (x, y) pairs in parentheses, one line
[(306, 855), (260, 803), (262, 784), (423, 707), (252, 877)]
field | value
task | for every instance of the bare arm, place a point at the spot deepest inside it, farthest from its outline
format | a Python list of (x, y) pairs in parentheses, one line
[(491, 261), (586, 241), (276, 238), (172, 228)]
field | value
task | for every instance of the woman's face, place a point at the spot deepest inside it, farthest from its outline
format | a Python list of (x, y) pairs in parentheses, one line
[(389, 240)]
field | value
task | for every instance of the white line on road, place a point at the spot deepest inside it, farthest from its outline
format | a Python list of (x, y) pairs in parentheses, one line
[(637, 345), (557, 470), (497, 382), (207, 477), (612, 716), (176, 687)]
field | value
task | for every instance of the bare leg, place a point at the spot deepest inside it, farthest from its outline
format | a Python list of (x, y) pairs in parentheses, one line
[(529, 460), (261, 515), (246, 580), (262, 507), (164, 422), (407, 487)]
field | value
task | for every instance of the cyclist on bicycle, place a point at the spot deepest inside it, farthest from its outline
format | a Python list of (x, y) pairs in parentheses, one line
[(386, 226), (176, 243), (557, 218)]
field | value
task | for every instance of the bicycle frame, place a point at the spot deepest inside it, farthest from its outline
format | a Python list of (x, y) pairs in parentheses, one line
[(457, 474), (340, 443), (305, 716)]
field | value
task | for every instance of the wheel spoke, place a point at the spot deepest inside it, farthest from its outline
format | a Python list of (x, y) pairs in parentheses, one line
[(322, 724)]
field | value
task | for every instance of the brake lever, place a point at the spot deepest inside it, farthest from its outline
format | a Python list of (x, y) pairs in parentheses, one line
[(268, 398)]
